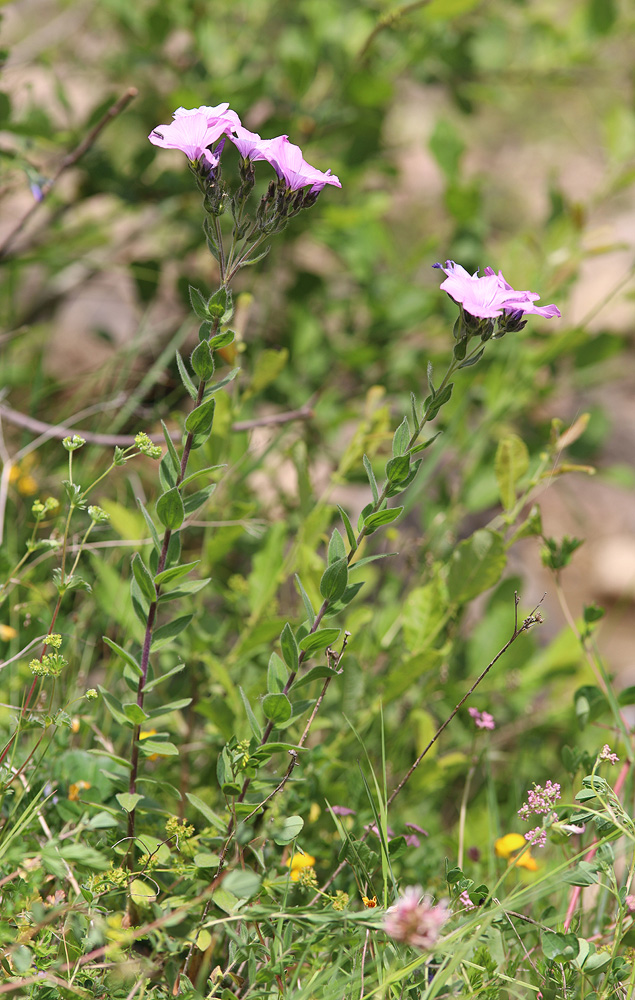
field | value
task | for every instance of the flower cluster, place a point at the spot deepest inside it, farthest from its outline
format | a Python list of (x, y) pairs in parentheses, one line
[(607, 754), (201, 134), (482, 720), (414, 920), (540, 801)]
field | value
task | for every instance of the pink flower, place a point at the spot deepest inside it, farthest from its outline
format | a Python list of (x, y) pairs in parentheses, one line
[(414, 920), (537, 837), (288, 162), (466, 902), (482, 720), (607, 754), (214, 115), (630, 902), (540, 800), (191, 133), (491, 295), (342, 811), (249, 144)]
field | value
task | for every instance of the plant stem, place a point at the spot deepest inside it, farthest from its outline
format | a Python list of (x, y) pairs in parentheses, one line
[(147, 640)]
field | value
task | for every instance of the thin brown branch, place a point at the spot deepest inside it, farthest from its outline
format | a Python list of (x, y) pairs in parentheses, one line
[(69, 161), (125, 440)]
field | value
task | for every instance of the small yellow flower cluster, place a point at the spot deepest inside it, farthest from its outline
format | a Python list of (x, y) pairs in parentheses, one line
[(340, 900), (51, 665), (508, 846), (54, 640), (145, 446), (98, 515), (74, 442)]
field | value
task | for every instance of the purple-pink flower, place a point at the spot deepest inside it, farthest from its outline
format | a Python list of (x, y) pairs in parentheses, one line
[(192, 134), (540, 801), (537, 837), (414, 920), (482, 720), (288, 162), (491, 295), (466, 902)]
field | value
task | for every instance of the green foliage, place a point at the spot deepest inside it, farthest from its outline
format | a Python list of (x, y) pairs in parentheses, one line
[(172, 795)]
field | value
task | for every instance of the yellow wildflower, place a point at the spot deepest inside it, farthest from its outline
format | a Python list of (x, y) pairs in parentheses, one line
[(297, 862), (76, 788), (369, 903), (7, 632), (509, 845)]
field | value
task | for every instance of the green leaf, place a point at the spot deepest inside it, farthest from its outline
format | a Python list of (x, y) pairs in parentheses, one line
[(398, 469), (200, 472), (560, 947), (337, 549), (176, 461), (125, 656), (114, 706), (135, 713), (424, 444), (185, 378), (401, 438), (167, 475), (170, 706), (350, 534), (151, 526), (381, 517), (206, 859), (159, 680), (174, 573), (208, 813), (143, 577), (128, 801), (149, 747), (170, 509), (476, 564), (583, 874), (277, 674), (166, 633), (220, 304), (371, 478), (199, 303), (221, 340), (316, 673), (196, 500), (474, 360), (308, 607), (223, 382), (319, 640), (334, 580), (289, 648), (202, 361), (201, 419), (290, 829), (242, 884), (510, 464), (253, 721), (276, 707)]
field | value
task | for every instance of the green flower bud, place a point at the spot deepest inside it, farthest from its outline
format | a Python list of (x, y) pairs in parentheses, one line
[(74, 442)]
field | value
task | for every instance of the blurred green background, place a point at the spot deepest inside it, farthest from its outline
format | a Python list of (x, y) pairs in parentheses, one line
[(498, 133)]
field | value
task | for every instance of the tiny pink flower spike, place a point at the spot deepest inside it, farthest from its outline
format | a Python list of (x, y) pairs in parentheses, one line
[(288, 162), (192, 134), (489, 296), (414, 920)]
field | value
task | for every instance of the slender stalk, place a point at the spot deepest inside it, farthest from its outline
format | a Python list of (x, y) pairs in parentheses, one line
[(150, 623)]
